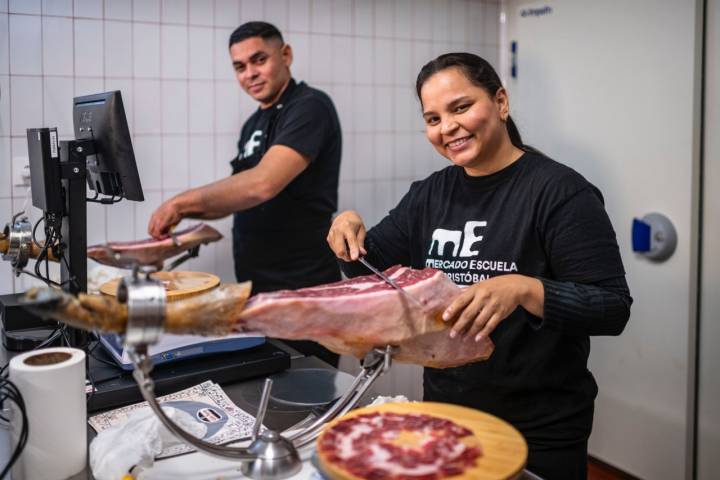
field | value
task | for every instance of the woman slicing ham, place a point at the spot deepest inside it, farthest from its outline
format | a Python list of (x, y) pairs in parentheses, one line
[(530, 240)]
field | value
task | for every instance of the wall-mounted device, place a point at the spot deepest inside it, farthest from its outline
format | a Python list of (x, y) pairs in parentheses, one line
[(654, 237)]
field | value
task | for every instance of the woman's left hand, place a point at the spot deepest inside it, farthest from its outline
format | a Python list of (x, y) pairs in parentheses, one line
[(481, 307)]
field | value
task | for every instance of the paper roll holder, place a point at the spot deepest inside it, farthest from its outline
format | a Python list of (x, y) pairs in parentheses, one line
[(270, 455)]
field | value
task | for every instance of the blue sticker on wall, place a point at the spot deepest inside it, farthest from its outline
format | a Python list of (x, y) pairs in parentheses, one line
[(640, 236)]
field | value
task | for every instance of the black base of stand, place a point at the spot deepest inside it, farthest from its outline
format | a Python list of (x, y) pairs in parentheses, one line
[(24, 340), (21, 330)]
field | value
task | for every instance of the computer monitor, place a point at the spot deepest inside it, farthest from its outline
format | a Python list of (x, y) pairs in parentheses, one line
[(111, 170)]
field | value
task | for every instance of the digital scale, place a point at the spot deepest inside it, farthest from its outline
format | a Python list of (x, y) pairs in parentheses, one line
[(115, 385), (179, 347)]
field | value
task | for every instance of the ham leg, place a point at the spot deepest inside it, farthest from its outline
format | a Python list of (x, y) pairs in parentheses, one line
[(212, 313), (350, 317), (153, 252)]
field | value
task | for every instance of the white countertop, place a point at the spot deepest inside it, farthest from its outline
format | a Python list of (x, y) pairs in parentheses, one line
[(199, 466)]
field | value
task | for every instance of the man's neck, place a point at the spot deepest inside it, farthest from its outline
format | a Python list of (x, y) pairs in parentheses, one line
[(268, 104)]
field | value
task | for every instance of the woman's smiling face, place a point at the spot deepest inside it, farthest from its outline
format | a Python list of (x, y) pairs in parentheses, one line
[(463, 122)]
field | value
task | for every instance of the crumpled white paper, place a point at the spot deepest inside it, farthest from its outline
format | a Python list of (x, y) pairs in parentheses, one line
[(379, 400), (137, 441), (100, 274)]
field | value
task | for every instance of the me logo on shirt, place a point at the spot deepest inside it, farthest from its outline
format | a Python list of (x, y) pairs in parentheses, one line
[(252, 143), (461, 241), (450, 251)]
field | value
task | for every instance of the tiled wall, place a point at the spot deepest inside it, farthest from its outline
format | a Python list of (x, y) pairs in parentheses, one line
[(169, 58)]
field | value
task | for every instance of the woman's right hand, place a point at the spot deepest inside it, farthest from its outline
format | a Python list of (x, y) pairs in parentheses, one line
[(347, 236)]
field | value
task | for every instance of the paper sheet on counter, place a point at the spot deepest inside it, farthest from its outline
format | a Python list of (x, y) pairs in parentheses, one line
[(224, 421)]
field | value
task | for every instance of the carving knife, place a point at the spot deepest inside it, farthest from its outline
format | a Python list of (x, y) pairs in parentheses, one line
[(390, 282)]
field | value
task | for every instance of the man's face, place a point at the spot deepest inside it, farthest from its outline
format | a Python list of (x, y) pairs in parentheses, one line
[(262, 67)]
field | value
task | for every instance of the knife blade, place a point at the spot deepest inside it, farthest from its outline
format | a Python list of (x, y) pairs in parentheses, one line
[(390, 282)]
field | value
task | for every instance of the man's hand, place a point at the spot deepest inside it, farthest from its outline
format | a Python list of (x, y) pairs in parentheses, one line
[(347, 236), (163, 219), (482, 306)]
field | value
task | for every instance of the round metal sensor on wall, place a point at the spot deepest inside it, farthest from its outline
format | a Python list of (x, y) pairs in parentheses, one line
[(663, 237)]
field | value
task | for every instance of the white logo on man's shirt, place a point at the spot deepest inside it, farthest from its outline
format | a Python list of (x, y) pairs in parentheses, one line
[(465, 238), (252, 143)]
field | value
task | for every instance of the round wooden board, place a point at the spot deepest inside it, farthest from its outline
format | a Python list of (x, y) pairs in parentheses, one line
[(177, 284), (504, 450)]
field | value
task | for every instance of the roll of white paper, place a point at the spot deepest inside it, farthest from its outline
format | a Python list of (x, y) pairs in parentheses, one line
[(52, 383)]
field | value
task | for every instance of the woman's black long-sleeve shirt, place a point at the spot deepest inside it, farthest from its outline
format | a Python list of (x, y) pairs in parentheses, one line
[(537, 218)]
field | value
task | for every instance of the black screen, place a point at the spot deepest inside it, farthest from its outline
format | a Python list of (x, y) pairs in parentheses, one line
[(112, 170)]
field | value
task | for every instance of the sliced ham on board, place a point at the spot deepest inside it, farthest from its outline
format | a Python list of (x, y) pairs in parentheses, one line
[(151, 251), (350, 317)]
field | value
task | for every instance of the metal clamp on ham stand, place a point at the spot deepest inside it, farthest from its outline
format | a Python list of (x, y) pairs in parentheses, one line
[(270, 455), (18, 237)]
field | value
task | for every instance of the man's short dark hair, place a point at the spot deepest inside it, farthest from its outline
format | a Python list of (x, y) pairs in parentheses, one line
[(264, 30)]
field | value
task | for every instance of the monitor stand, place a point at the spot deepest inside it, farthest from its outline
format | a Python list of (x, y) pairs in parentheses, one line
[(116, 387), (73, 272)]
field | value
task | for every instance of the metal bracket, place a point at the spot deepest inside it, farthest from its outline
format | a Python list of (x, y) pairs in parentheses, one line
[(376, 362), (70, 170), (191, 253), (19, 235), (270, 455), (145, 300)]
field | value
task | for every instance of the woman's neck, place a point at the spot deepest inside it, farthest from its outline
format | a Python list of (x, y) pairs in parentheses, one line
[(496, 159)]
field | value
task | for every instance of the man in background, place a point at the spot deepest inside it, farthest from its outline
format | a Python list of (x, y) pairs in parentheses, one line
[(283, 190)]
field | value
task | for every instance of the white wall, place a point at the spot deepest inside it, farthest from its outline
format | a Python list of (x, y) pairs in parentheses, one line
[(610, 88), (185, 108), (709, 333)]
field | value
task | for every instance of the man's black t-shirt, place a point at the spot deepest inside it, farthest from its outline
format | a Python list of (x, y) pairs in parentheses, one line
[(281, 243), (537, 218)]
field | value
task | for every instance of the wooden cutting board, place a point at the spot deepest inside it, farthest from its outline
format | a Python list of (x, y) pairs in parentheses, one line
[(177, 284), (504, 450)]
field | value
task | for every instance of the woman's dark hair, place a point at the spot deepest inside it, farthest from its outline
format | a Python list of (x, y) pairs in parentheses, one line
[(479, 72), (264, 30)]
